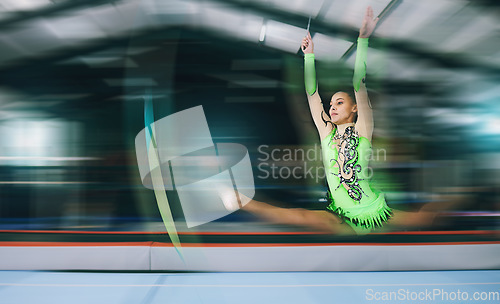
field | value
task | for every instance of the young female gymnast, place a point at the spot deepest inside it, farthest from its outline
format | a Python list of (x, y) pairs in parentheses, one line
[(346, 140), (345, 134)]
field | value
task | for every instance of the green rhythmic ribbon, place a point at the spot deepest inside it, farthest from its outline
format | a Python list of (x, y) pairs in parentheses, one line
[(156, 176)]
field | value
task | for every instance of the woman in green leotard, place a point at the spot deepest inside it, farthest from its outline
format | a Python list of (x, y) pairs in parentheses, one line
[(345, 133)]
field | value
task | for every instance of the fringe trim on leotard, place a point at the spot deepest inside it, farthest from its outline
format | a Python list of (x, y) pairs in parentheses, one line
[(369, 220)]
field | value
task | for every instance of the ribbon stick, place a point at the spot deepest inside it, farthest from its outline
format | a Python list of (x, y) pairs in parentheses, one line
[(156, 176)]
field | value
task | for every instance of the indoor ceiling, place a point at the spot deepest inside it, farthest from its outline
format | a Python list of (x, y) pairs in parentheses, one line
[(64, 57)]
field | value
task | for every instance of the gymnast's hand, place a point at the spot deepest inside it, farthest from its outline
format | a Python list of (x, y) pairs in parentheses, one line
[(307, 46), (368, 24)]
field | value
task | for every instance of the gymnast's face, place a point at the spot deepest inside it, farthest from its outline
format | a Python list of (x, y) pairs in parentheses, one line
[(342, 108)]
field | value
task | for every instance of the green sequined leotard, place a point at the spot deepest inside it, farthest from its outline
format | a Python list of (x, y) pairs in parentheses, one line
[(350, 194)]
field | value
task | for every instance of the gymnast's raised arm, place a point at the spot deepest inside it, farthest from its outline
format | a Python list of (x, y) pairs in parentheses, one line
[(321, 119), (364, 124)]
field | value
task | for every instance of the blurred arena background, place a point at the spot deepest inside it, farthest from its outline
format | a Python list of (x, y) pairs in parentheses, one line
[(73, 78), (72, 81)]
